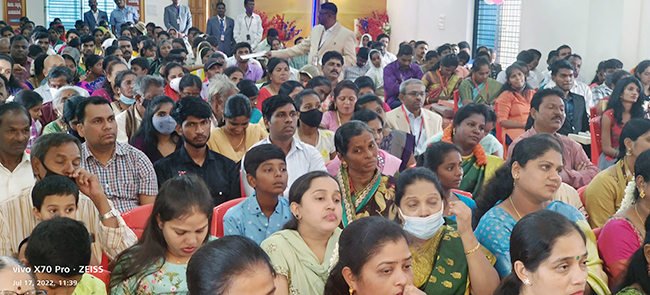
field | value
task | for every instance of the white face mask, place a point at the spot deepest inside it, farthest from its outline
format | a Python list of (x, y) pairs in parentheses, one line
[(424, 228)]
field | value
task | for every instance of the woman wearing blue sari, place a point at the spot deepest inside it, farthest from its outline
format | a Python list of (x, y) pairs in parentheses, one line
[(524, 185), (479, 87)]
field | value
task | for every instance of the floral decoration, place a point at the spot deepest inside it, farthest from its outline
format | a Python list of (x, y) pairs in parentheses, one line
[(286, 29), (374, 25)]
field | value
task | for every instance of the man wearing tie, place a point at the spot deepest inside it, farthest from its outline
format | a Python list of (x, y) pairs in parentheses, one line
[(221, 27), (330, 35), (179, 17), (93, 16)]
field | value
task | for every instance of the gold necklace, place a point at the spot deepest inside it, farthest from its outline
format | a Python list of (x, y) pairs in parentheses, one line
[(513, 207), (637, 213), (240, 142)]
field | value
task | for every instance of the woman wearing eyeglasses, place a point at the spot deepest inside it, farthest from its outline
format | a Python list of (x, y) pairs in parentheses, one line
[(13, 282)]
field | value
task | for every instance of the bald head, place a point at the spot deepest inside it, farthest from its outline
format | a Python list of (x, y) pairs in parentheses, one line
[(52, 61), (5, 46)]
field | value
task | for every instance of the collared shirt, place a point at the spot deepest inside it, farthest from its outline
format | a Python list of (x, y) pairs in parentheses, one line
[(302, 158), (96, 15), (127, 175), (580, 89), (247, 219), (14, 183), (417, 130), (248, 26), (394, 76), (254, 71), (119, 17), (574, 156), (599, 92), (25, 75), (220, 174), (326, 34), (44, 92), (388, 58), (355, 71)]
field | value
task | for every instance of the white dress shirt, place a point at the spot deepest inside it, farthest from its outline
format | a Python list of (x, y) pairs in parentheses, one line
[(387, 58), (248, 25), (302, 158), (96, 16), (417, 129), (15, 183), (326, 34)]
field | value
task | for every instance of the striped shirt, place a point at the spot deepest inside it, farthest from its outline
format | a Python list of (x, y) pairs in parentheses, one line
[(128, 174)]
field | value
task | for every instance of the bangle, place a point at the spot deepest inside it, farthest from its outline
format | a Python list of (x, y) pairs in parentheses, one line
[(478, 245)]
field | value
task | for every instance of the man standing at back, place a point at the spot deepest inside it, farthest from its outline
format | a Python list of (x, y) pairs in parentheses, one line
[(122, 14), (330, 35), (178, 16), (248, 26), (93, 16), (222, 27)]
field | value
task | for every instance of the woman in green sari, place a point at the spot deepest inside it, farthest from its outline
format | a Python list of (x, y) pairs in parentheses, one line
[(302, 253), (364, 190), (479, 87), (446, 254), (466, 131)]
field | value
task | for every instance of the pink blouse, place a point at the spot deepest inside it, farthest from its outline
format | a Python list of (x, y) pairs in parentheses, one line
[(329, 121)]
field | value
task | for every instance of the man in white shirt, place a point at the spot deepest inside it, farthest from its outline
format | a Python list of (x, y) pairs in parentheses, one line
[(386, 56), (248, 26), (93, 16), (15, 168), (145, 88), (578, 87), (281, 118), (57, 77)]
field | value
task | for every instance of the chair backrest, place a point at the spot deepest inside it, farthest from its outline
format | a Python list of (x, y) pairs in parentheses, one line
[(581, 193), (456, 100), (136, 218), (595, 128), (593, 111), (217, 216)]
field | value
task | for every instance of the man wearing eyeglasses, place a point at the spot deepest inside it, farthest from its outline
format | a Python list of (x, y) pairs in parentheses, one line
[(410, 117), (330, 35)]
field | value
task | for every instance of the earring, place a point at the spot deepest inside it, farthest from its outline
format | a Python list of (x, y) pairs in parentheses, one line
[(527, 281), (641, 194), (649, 269), (351, 291), (344, 164), (629, 152), (453, 131)]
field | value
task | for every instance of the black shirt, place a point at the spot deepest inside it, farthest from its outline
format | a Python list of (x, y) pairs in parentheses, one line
[(219, 173)]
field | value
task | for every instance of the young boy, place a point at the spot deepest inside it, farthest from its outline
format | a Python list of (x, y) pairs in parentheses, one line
[(59, 253), (140, 66), (55, 196), (265, 212)]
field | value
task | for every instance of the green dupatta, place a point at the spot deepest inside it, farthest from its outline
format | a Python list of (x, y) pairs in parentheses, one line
[(376, 199), (473, 175)]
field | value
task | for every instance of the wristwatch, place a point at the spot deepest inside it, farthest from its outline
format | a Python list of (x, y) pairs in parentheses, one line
[(110, 214)]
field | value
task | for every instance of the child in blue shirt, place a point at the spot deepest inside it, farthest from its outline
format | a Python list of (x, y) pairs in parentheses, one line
[(265, 212)]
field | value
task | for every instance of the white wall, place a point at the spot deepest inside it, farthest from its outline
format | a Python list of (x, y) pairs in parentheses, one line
[(419, 20), (154, 11), (595, 29)]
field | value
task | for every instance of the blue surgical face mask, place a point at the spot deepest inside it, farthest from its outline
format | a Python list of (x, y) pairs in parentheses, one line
[(424, 228), (126, 100), (164, 125)]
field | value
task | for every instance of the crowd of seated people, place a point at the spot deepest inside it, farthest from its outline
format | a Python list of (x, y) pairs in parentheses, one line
[(139, 160)]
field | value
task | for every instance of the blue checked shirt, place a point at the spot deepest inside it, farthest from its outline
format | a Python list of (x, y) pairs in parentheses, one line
[(119, 17), (128, 174), (247, 219)]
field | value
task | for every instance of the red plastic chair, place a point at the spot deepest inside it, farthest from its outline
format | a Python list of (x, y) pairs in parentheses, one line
[(593, 111), (136, 218), (217, 216), (103, 274), (456, 100), (595, 128)]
